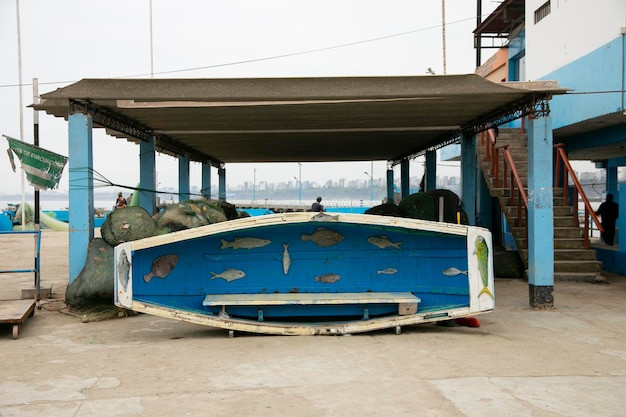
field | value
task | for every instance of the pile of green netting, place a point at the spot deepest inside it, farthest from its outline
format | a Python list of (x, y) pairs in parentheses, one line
[(94, 284), (425, 206)]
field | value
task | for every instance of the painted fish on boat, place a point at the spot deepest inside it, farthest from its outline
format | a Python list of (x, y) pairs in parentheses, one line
[(286, 258), (161, 267), (229, 274), (328, 278), (323, 217), (383, 242), (481, 251), (387, 271), (323, 237), (453, 271), (123, 269), (245, 243)]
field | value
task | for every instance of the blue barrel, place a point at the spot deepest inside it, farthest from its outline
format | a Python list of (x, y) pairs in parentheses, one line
[(6, 225)]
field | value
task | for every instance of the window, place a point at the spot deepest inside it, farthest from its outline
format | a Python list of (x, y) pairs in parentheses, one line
[(542, 11)]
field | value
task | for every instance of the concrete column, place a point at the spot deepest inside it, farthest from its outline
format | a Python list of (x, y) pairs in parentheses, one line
[(469, 176), (431, 171), (206, 180), (183, 178), (80, 167), (221, 174), (390, 185), (147, 175), (405, 178), (540, 213)]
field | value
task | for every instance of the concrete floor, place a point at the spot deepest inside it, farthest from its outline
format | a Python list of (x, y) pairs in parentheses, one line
[(567, 362), (570, 361)]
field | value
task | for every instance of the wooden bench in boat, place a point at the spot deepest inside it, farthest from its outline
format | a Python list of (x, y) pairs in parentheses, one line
[(407, 302)]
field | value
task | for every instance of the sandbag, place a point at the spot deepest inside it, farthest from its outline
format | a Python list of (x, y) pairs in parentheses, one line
[(94, 284), (193, 213), (418, 206), (127, 224), (385, 209)]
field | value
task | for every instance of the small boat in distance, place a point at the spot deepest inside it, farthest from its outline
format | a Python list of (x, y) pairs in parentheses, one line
[(310, 273)]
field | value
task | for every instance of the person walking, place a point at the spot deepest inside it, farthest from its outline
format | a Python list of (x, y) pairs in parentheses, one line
[(609, 211), (317, 205)]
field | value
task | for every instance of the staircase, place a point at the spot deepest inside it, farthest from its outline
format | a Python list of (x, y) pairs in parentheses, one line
[(573, 260)]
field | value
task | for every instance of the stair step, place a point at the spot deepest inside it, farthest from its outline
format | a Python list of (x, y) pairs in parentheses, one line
[(578, 266), (579, 276), (568, 232), (569, 243), (574, 255)]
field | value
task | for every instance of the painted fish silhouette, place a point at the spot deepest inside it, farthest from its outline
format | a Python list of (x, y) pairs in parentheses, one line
[(453, 271), (245, 243), (387, 271), (161, 267), (286, 258), (383, 242), (328, 278), (482, 254), (230, 274), (123, 269), (323, 217), (323, 237)]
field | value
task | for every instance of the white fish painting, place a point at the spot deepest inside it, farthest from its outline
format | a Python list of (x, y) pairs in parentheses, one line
[(383, 242), (230, 274), (123, 269), (453, 271), (387, 271), (245, 243), (286, 258)]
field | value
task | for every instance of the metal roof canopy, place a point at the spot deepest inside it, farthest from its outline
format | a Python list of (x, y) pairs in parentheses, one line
[(246, 120)]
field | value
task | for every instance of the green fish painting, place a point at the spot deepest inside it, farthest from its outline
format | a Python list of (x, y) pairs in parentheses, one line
[(482, 254)]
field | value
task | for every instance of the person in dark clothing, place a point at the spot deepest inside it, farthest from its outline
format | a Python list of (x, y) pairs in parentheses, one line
[(120, 202), (317, 205), (609, 210)]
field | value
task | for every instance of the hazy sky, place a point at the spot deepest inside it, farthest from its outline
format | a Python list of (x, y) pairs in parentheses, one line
[(65, 41)]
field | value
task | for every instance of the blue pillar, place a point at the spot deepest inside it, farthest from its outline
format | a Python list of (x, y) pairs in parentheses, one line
[(183, 178), (80, 146), (611, 178), (390, 186), (620, 224), (469, 176), (147, 175), (206, 180), (404, 178), (431, 171), (540, 213), (221, 178)]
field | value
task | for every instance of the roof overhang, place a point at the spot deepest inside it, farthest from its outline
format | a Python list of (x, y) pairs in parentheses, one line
[(297, 119)]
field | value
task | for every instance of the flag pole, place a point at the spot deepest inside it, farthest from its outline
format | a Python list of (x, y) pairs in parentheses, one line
[(19, 70), (36, 143)]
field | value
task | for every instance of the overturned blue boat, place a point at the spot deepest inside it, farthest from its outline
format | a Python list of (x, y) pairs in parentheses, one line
[(310, 273)]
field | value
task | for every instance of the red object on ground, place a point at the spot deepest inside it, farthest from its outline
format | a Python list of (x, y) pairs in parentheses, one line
[(468, 321)]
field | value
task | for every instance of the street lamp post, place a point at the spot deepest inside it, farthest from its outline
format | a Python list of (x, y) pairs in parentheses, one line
[(371, 175), (299, 181), (254, 186)]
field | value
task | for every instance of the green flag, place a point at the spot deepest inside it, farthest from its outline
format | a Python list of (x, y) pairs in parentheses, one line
[(43, 168)]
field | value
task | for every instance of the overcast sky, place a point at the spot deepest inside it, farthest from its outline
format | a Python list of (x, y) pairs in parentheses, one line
[(65, 41)]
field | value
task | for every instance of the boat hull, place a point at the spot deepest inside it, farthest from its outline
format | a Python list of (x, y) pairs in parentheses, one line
[(306, 273)]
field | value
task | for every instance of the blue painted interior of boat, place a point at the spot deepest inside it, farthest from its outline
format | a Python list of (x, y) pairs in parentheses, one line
[(430, 265)]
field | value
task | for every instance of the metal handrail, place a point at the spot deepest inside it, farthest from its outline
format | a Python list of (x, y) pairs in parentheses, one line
[(510, 175), (568, 171)]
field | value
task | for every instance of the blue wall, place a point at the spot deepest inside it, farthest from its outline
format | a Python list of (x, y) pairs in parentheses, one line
[(600, 70)]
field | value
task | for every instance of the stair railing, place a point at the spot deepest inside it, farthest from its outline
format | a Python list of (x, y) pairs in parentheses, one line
[(562, 172), (510, 177)]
